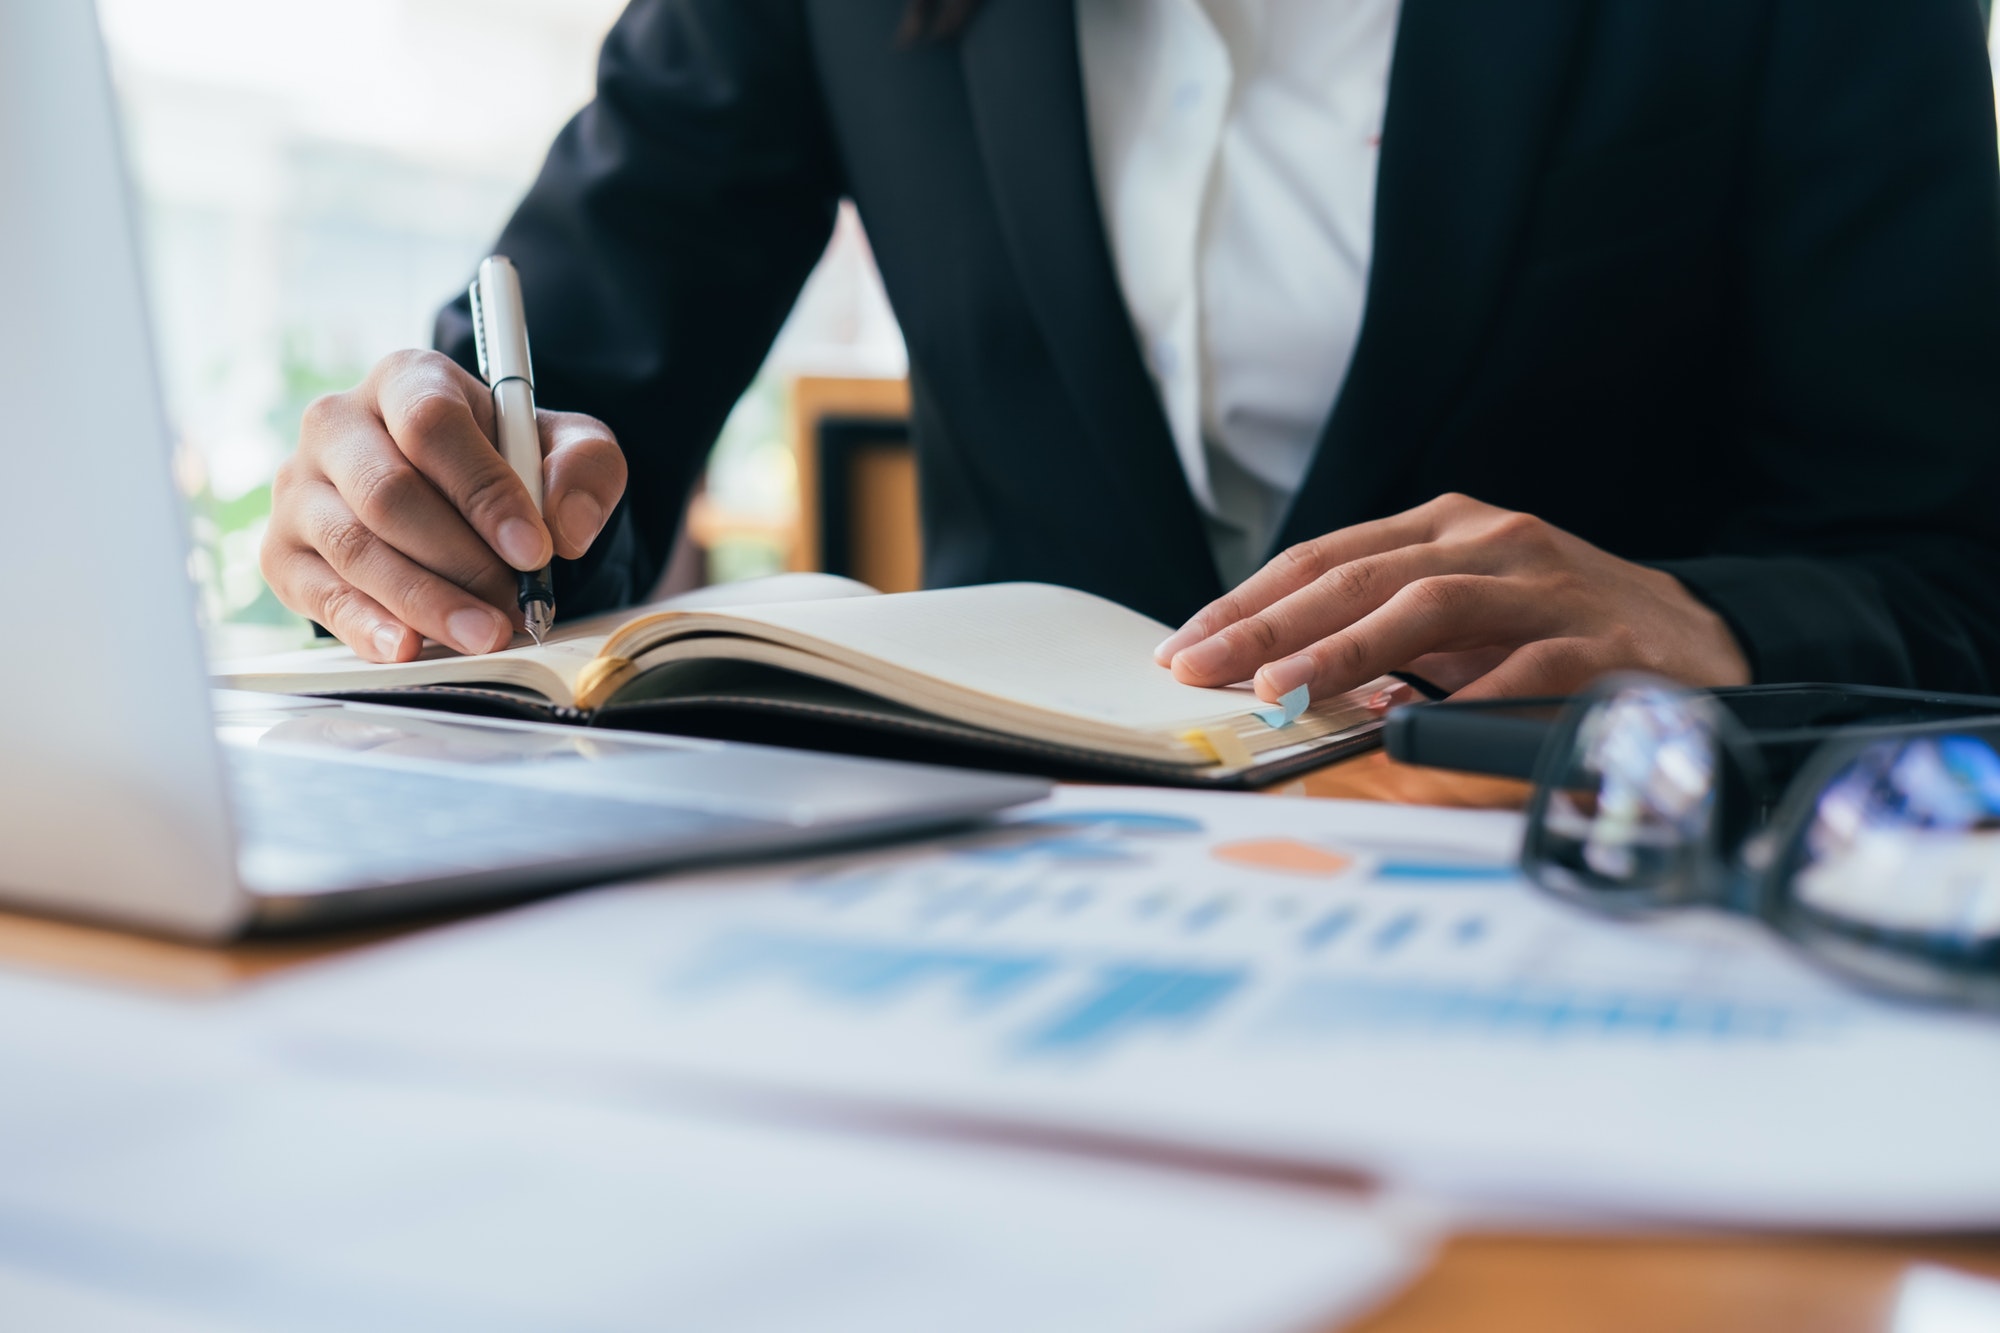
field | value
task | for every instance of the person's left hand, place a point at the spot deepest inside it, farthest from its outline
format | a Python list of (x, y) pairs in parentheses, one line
[(1483, 601)]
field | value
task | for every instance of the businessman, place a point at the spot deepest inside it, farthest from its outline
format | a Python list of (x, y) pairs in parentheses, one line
[(1223, 309)]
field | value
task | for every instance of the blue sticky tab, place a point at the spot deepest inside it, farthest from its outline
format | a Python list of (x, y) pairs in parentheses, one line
[(1288, 709)]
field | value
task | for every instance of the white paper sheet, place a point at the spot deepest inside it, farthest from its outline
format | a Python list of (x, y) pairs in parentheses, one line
[(1337, 983), (156, 1178)]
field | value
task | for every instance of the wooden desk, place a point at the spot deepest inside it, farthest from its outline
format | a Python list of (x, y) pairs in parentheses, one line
[(1491, 1283)]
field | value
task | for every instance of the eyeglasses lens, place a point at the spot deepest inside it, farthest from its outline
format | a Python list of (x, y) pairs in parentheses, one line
[(1629, 814), (1901, 853)]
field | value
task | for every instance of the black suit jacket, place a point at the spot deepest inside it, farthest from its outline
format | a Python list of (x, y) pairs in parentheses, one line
[(1712, 283)]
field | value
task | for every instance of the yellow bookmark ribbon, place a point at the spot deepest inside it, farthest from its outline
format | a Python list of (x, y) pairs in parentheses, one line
[(601, 678)]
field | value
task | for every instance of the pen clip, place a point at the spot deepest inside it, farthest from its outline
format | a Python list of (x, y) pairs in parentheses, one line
[(500, 325), (479, 331)]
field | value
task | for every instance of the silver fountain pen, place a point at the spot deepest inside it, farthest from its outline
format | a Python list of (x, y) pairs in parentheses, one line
[(500, 331)]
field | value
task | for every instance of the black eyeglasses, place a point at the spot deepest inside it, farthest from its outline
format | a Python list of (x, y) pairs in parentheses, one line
[(1880, 859)]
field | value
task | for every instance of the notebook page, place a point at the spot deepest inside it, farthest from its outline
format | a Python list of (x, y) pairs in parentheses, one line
[(550, 667), (1030, 643)]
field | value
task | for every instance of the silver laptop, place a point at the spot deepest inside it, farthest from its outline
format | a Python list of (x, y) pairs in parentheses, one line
[(124, 794)]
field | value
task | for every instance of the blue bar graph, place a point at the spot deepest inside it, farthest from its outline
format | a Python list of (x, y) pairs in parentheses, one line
[(861, 972), (1207, 915), (1395, 932), (1327, 929), (1132, 998), (1117, 1000), (1075, 900)]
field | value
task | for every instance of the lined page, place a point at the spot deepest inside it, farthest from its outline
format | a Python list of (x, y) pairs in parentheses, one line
[(549, 668), (1035, 644)]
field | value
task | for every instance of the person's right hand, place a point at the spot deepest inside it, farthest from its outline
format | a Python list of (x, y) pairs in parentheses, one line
[(397, 520)]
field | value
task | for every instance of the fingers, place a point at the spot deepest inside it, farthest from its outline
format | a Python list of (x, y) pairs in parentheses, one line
[(1452, 672), (306, 583), (1447, 613), (1298, 566), (397, 518), (585, 472), (1288, 572), (1332, 601), (400, 505), (1545, 667), (345, 575), (440, 419), (1497, 602)]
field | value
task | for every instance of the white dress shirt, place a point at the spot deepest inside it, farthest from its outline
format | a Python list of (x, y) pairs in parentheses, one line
[(1236, 144)]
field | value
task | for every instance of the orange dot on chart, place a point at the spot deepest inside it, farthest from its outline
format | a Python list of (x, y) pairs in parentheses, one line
[(1284, 855)]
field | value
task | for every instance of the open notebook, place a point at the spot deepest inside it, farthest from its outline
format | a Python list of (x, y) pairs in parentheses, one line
[(1020, 675)]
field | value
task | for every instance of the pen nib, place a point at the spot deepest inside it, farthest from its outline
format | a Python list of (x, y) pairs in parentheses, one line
[(540, 618)]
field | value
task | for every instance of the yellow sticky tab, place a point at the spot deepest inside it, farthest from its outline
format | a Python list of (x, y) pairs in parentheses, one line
[(1221, 744), (1199, 740)]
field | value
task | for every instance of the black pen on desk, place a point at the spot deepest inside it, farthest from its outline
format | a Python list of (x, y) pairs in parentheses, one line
[(500, 332)]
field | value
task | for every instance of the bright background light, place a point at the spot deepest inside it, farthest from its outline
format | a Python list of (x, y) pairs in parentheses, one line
[(318, 178)]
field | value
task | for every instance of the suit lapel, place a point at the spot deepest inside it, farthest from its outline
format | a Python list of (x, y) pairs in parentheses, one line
[(1473, 92), (1024, 77)]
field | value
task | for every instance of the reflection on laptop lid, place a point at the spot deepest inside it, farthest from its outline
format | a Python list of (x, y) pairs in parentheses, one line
[(115, 800), (111, 792)]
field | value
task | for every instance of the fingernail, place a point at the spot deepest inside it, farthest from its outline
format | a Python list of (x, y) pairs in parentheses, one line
[(521, 545), (1173, 643), (1203, 659), (580, 516), (1278, 679), (388, 641), (477, 631)]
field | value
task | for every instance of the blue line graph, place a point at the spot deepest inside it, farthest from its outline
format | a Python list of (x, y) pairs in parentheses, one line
[(1446, 872), (1121, 821), (1340, 1007), (1414, 863)]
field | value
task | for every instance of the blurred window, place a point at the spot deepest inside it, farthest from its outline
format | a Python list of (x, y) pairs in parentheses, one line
[(316, 179)]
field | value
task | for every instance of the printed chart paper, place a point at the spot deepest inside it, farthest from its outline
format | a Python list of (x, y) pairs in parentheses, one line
[(157, 1176), (1343, 984)]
